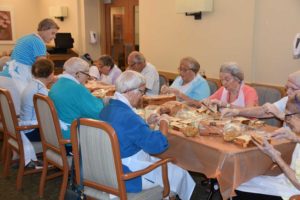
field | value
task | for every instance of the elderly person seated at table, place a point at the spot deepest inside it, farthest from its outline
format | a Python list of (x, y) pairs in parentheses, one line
[(43, 74), (71, 98), (105, 70), (138, 63), (189, 85), (137, 140), (269, 110), (234, 93), (286, 184)]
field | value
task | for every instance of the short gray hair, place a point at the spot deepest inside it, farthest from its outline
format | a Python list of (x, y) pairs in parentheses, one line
[(129, 80), (233, 69), (138, 57), (47, 24), (75, 64), (193, 64)]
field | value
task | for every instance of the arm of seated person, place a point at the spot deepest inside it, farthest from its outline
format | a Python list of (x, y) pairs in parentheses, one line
[(275, 155)]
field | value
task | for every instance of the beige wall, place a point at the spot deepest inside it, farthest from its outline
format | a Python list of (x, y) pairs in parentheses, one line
[(257, 34)]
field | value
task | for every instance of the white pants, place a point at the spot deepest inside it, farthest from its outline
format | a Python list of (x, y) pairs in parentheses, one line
[(180, 180)]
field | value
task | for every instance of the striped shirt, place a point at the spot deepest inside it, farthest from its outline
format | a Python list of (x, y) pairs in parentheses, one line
[(28, 48)]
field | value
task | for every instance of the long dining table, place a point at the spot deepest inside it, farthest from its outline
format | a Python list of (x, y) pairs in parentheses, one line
[(229, 163)]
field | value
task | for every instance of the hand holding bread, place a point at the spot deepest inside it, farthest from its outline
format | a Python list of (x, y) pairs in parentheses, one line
[(268, 149)]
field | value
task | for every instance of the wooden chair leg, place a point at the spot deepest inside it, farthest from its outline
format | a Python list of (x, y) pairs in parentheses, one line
[(64, 184), (20, 173), (43, 179), (7, 162), (4, 149)]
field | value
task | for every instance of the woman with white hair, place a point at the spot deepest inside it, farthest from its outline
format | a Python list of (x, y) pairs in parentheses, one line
[(137, 140), (71, 98), (234, 93)]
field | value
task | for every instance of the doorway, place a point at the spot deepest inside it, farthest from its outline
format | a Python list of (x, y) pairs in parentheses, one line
[(121, 30)]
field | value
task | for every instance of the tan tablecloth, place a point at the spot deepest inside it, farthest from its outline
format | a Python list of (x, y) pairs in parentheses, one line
[(231, 164)]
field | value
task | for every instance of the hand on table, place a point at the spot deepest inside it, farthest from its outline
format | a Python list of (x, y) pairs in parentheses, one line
[(228, 112)]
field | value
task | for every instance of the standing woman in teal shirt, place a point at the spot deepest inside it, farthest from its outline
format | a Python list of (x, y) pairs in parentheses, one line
[(16, 74), (71, 98)]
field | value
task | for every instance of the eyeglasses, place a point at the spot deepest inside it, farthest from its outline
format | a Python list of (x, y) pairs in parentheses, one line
[(290, 115), (85, 73), (142, 91), (184, 70)]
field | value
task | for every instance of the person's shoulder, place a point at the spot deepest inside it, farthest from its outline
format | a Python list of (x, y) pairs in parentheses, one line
[(248, 88)]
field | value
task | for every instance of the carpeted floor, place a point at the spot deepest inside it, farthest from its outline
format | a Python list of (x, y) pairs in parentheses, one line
[(31, 184)]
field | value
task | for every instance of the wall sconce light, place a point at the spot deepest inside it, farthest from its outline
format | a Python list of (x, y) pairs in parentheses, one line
[(58, 12), (194, 7)]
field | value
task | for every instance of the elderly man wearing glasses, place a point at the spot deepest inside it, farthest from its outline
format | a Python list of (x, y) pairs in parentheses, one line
[(189, 85), (137, 140), (137, 62), (71, 98), (286, 184)]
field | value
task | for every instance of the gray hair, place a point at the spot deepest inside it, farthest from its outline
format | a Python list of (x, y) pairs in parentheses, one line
[(192, 63), (129, 80), (138, 57), (74, 65), (233, 69), (47, 24), (107, 61)]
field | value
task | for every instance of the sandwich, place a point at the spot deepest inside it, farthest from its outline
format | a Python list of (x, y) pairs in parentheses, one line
[(243, 140)]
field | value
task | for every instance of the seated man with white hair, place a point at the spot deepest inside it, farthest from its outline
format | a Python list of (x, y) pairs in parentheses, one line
[(138, 63), (137, 140), (71, 98)]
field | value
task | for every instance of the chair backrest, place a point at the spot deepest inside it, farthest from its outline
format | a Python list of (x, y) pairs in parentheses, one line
[(268, 94), (100, 155), (48, 121), (213, 85), (9, 118), (163, 80)]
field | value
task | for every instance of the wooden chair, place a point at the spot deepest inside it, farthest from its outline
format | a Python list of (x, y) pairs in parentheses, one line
[(13, 138), (54, 151), (3, 143), (101, 166)]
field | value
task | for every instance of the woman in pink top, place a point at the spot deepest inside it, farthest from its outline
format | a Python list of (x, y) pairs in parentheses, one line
[(233, 93)]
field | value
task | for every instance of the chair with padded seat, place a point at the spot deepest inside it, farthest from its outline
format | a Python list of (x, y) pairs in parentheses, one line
[(269, 94), (101, 164), (213, 84), (13, 140), (54, 152)]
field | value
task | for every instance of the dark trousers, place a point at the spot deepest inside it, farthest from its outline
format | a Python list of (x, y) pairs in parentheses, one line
[(34, 136), (253, 196)]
